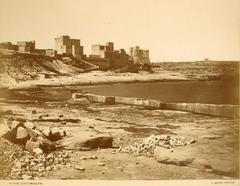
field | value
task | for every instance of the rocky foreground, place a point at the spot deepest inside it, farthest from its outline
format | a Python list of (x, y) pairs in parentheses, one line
[(81, 140)]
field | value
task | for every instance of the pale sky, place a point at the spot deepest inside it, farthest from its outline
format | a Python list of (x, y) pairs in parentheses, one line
[(173, 30)]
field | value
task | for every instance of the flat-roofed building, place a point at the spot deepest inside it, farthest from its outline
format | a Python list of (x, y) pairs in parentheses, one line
[(9, 46), (26, 46), (139, 56), (64, 45), (118, 58), (103, 51)]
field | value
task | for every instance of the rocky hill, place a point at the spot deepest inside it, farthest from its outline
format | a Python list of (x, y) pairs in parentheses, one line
[(16, 67)]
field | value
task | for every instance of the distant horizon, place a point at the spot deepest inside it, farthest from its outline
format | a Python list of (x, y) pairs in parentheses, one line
[(172, 30)]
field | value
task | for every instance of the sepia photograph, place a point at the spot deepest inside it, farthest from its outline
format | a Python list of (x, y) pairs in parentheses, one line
[(106, 91)]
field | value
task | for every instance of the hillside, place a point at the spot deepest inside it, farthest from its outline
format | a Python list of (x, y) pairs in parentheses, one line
[(16, 67)]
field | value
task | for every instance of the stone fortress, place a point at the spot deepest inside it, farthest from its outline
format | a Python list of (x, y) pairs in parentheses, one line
[(102, 51), (64, 45), (106, 53), (139, 55), (104, 56)]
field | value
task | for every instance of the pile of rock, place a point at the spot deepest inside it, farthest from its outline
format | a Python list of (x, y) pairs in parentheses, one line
[(37, 140), (37, 156), (148, 145), (29, 166)]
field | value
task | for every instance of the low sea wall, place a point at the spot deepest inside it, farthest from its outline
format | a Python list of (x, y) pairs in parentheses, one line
[(100, 99), (208, 109), (231, 111)]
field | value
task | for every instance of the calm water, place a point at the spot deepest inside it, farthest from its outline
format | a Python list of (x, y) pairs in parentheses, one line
[(216, 92)]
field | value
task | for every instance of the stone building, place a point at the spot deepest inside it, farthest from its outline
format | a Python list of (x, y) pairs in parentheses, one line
[(139, 56), (9, 46), (102, 51), (64, 45), (117, 58), (120, 58), (26, 46)]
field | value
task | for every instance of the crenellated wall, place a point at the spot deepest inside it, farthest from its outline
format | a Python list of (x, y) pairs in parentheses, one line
[(139, 56)]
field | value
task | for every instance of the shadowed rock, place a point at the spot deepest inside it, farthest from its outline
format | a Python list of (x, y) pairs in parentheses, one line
[(83, 142), (31, 144), (56, 134), (46, 145), (15, 124)]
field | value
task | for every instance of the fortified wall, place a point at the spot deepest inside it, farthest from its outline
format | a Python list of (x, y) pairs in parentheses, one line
[(118, 58), (139, 56)]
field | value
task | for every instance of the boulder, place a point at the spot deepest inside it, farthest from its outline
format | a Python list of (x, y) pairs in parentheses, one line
[(182, 156), (38, 132), (15, 124), (29, 125), (37, 151), (86, 141), (46, 131), (32, 133), (46, 145), (4, 129), (57, 134), (31, 144), (22, 135)]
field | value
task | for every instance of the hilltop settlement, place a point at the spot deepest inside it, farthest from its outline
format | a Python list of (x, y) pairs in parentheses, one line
[(103, 57)]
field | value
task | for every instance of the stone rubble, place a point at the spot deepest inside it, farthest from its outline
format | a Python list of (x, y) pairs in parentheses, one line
[(146, 148), (29, 165), (37, 156), (31, 137)]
